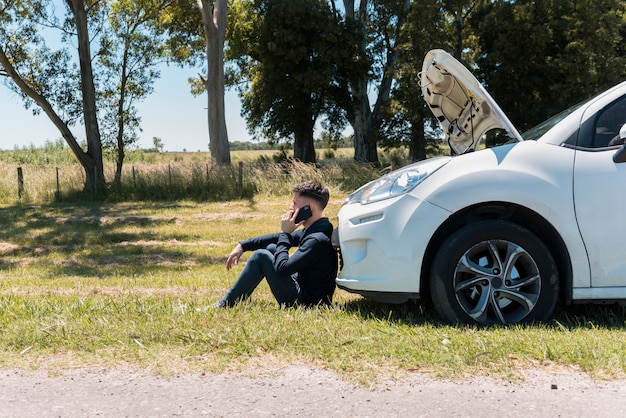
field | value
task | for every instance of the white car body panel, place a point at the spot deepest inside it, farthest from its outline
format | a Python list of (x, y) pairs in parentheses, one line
[(589, 294), (599, 204)]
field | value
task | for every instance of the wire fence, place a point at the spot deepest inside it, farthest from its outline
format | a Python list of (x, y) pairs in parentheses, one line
[(38, 184), (176, 180)]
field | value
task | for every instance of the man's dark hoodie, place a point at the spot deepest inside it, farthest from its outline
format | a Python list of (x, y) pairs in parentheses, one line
[(313, 264)]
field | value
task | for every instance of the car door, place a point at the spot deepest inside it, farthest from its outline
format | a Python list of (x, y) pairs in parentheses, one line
[(600, 195)]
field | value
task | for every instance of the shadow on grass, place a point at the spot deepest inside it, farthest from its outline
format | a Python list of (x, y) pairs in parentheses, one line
[(94, 240), (422, 313), (417, 313), (590, 316)]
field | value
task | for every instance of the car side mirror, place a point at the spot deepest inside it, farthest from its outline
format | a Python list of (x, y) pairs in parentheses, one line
[(620, 155)]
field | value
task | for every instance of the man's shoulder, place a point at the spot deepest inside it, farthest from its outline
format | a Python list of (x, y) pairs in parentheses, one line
[(321, 225), (319, 232)]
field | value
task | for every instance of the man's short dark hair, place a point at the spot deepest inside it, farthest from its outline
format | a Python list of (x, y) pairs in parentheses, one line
[(314, 190)]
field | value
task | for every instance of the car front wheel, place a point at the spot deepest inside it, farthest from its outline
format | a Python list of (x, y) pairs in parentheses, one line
[(494, 272)]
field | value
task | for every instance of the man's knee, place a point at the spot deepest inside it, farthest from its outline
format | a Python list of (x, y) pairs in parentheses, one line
[(262, 257)]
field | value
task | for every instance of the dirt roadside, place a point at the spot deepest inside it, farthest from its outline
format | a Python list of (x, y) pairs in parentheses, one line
[(298, 390)]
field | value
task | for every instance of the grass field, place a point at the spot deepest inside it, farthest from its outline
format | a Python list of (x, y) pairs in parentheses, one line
[(125, 282), (126, 285)]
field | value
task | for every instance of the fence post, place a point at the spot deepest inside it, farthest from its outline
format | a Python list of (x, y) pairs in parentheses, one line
[(134, 182), (20, 183), (169, 173), (58, 187), (240, 176)]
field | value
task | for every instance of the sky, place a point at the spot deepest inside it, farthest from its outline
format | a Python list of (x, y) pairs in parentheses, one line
[(170, 113)]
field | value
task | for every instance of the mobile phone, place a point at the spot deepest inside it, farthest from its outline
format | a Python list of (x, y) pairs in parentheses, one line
[(304, 213)]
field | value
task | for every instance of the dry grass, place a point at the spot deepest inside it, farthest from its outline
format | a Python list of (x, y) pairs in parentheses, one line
[(179, 176)]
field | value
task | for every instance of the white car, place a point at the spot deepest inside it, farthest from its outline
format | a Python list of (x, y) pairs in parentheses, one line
[(496, 235)]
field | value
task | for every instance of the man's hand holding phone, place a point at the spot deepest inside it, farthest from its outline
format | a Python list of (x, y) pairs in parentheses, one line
[(294, 218), (303, 214)]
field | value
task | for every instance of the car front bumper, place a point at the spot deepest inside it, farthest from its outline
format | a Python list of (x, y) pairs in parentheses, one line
[(382, 246)]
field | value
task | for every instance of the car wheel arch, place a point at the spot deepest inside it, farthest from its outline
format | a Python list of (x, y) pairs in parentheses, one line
[(511, 212)]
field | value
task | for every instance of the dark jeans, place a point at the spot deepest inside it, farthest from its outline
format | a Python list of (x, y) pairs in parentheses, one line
[(261, 265)]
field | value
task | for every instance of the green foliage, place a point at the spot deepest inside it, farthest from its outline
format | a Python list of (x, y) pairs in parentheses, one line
[(329, 154), (182, 24), (538, 58), (287, 66), (49, 72), (158, 144), (53, 153)]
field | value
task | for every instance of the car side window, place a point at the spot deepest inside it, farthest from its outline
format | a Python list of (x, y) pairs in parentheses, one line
[(608, 123)]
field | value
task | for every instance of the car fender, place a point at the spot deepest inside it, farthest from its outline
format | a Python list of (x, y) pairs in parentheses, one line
[(530, 174)]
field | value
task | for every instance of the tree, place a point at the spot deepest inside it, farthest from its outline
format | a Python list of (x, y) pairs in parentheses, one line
[(196, 33), (457, 13), (158, 144), (93, 158), (130, 50), (41, 76), (406, 118), (430, 24), (538, 58), (376, 26), (287, 53)]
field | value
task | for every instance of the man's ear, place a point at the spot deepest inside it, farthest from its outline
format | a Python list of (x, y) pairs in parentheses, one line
[(316, 207)]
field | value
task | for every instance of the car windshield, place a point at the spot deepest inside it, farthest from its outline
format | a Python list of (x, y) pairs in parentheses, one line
[(538, 131)]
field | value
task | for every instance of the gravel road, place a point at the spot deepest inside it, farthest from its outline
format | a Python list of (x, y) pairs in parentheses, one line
[(298, 390)]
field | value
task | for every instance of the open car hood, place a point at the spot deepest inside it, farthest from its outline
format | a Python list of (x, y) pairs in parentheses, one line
[(461, 104)]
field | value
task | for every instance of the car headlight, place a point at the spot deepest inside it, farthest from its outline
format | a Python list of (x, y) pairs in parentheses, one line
[(397, 182)]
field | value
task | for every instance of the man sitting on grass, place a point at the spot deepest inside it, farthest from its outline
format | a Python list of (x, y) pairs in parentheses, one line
[(307, 277)]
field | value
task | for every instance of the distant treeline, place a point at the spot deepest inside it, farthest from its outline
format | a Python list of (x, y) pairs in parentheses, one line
[(321, 143), (58, 152)]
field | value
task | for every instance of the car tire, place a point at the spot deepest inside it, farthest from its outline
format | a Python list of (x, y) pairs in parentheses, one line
[(494, 272)]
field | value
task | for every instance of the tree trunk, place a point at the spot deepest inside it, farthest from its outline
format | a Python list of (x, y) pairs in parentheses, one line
[(417, 146), (214, 18), (94, 166), (364, 150), (303, 146), (120, 120)]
